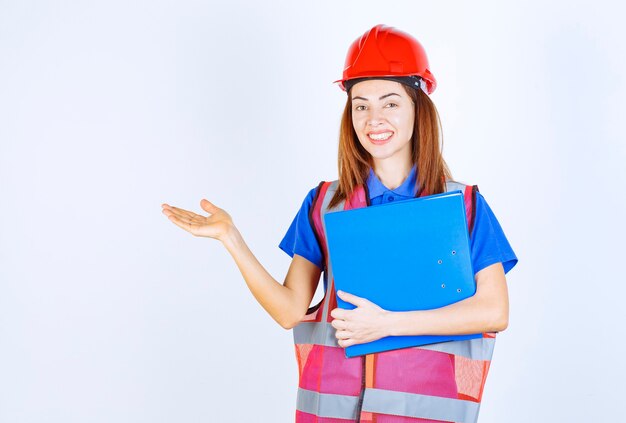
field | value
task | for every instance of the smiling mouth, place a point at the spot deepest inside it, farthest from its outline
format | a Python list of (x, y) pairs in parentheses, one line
[(380, 137)]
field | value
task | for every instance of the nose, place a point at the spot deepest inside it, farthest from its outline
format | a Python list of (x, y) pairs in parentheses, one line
[(374, 117)]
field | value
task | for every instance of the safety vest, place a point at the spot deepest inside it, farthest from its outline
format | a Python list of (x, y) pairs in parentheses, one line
[(440, 382)]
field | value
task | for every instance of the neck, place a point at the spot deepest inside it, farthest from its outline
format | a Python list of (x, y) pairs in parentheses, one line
[(392, 173)]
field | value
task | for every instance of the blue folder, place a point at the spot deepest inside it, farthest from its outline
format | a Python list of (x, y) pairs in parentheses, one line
[(403, 256)]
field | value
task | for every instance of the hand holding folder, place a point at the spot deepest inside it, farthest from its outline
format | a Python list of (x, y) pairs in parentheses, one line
[(403, 256)]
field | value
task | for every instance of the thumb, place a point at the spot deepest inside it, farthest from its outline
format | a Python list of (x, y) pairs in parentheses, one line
[(208, 206)]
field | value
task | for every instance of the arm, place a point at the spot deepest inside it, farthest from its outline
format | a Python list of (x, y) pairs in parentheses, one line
[(287, 303), (486, 311)]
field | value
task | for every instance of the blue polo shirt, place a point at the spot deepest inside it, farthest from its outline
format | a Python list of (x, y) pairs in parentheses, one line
[(488, 244)]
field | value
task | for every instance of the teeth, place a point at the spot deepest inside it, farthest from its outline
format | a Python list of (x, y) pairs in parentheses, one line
[(380, 137)]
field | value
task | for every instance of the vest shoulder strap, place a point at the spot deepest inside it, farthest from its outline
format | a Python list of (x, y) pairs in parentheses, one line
[(324, 193), (469, 196)]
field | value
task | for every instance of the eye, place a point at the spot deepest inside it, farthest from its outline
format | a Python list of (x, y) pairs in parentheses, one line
[(391, 105), (359, 107)]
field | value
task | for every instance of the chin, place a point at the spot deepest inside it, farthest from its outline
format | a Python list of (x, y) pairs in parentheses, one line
[(381, 153)]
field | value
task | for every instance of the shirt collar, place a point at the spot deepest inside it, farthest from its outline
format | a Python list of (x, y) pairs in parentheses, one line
[(406, 189)]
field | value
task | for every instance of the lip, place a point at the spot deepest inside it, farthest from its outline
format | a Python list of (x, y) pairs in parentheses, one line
[(380, 142)]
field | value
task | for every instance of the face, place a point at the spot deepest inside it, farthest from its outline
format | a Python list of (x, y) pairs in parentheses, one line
[(383, 116)]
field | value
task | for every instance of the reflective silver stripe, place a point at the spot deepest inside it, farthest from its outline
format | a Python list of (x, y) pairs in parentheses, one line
[(453, 186), (329, 269), (315, 333), (420, 406), (476, 349), (327, 405), (323, 333)]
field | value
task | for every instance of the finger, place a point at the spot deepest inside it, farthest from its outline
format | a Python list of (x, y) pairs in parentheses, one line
[(167, 206), (197, 220), (186, 225), (191, 224), (208, 206), (343, 343), (339, 324), (343, 334), (180, 216), (352, 299), (183, 212), (340, 313), (172, 211)]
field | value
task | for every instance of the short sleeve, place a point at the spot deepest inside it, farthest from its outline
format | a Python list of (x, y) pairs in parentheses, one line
[(300, 238), (488, 243)]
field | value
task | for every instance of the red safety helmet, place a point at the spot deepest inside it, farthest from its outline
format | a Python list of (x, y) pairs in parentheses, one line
[(387, 52)]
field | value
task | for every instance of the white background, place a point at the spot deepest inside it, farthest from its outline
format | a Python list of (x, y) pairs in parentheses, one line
[(110, 313)]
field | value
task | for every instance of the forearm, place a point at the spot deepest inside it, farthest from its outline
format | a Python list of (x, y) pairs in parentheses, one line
[(472, 315), (486, 311), (275, 298)]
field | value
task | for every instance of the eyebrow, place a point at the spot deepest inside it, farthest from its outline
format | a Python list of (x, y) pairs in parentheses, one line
[(380, 98)]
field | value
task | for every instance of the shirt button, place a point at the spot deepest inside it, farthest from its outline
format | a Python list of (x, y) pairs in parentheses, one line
[(390, 198)]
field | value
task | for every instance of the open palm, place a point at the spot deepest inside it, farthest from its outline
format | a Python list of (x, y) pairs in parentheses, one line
[(215, 225)]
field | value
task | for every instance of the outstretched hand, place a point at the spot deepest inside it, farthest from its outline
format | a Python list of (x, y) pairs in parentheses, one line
[(366, 323), (216, 225)]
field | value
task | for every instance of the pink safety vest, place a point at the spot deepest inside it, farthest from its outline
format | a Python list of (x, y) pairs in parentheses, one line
[(440, 382)]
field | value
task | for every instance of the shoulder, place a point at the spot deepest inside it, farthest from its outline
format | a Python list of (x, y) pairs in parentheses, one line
[(469, 191), (484, 213), (453, 185), (483, 206), (322, 189), (477, 198), (489, 241), (311, 198)]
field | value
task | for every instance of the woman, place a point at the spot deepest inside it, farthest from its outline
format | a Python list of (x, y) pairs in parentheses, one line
[(389, 150)]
